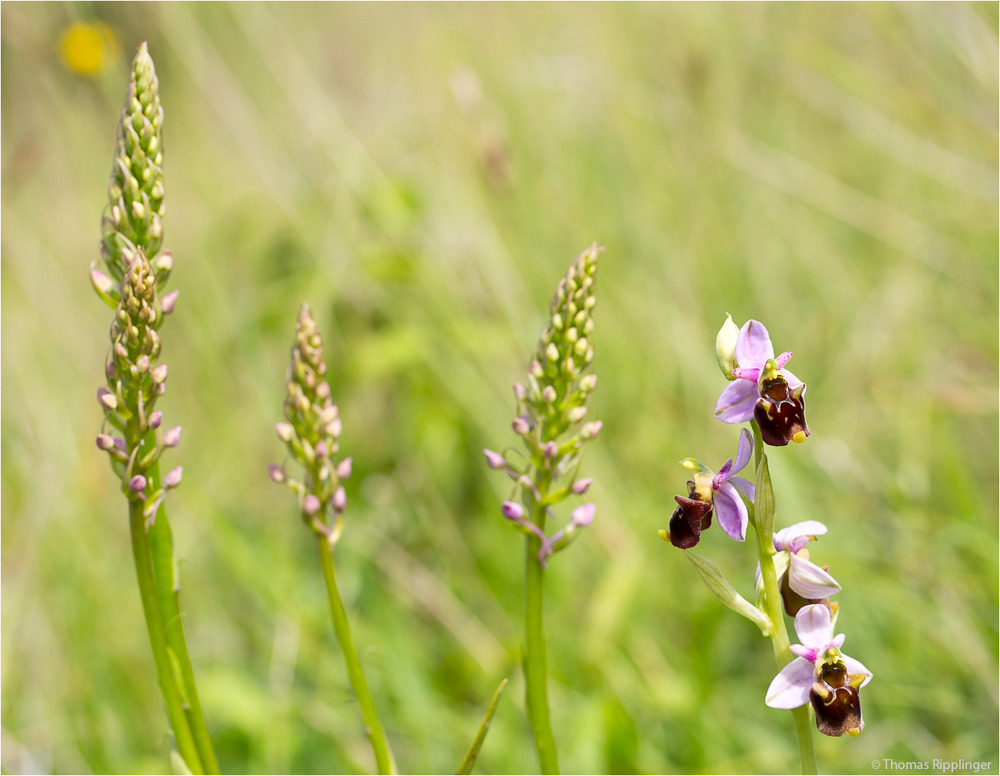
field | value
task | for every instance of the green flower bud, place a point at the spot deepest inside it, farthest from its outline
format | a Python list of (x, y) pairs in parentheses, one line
[(725, 347)]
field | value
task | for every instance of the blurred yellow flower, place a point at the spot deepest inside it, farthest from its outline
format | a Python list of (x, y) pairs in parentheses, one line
[(88, 48)]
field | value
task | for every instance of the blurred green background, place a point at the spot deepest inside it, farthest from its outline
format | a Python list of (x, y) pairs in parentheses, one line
[(422, 175)]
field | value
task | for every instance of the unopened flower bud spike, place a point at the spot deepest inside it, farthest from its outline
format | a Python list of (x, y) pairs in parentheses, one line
[(550, 405), (311, 432), (125, 278)]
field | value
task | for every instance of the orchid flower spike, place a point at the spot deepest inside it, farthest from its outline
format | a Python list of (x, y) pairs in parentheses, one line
[(800, 580), (763, 389), (821, 675), (714, 491)]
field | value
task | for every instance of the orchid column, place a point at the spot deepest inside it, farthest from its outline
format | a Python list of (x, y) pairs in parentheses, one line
[(550, 411), (814, 673)]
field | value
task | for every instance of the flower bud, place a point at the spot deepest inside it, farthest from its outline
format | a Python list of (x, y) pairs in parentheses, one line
[(284, 431), (576, 414), (521, 426), (592, 429), (137, 484), (579, 487), (159, 374), (725, 347), (495, 460), (310, 505), (548, 394), (550, 450), (105, 442), (344, 468), (168, 302), (583, 515), (520, 392), (173, 478), (339, 500), (172, 437), (276, 473), (512, 510), (107, 399), (155, 420)]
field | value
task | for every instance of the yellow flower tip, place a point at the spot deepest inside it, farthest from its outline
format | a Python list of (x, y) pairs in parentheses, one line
[(688, 463), (799, 437), (854, 733), (664, 534), (88, 48)]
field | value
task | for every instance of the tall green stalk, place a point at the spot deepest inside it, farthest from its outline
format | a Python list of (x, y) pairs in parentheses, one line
[(763, 523), (536, 675), (166, 668), (373, 727)]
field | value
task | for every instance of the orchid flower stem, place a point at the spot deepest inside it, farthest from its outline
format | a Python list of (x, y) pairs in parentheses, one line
[(779, 634), (535, 668), (373, 728), (161, 546), (166, 670)]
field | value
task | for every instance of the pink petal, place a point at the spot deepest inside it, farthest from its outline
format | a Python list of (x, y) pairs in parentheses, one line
[(790, 688), (814, 626), (735, 404), (753, 345), (731, 512), (745, 487), (786, 536), (809, 580), (743, 452)]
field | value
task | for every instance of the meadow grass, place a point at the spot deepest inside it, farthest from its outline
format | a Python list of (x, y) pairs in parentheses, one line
[(422, 175)]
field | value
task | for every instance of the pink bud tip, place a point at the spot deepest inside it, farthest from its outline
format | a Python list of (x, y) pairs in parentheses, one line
[(591, 430), (137, 484), (495, 460), (520, 392), (579, 487), (284, 431), (173, 478), (105, 441), (172, 437), (142, 363), (344, 468), (550, 450), (520, 426), (168, 302), (101, 282), (583, 515), (322, 449), (107, 399), (155, 419), (310, 505), (339, 500), (276, 473), (512, 510), (159, 374)]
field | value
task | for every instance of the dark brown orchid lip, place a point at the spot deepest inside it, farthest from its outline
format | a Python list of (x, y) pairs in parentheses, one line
[(780, 413)]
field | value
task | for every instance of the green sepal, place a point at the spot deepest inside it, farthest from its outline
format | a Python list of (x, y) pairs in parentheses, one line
[(726, 593), (764, 501)]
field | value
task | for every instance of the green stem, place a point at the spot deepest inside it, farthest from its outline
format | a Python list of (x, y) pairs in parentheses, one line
[(535, 669), (779, 636), (373, 728), (168, 591), (165, 669)]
